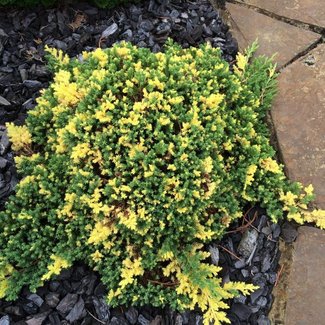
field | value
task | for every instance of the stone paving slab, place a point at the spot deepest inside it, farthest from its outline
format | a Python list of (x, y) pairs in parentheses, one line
[(306, 11), (306, 287), (298, 114), (273, 35)]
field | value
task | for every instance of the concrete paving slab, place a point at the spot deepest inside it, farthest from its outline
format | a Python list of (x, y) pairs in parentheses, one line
[(274, 36), (298, 114), (307, 11), (306, 287)]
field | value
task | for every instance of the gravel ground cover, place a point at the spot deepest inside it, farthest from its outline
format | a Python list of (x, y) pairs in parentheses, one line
[(248, 253)]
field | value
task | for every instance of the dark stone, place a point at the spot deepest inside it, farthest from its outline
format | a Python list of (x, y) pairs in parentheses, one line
[(21, 322), (207, 30), (3, 182), (79, 273), (186, 316), (32, 84), (52, 299), (146, 25), (91, 11), (28, 104), (263, 320), (54, 285), (179, 320), (198, 320), (110, 30), (28, 20), (261, 302), (266, 231), (75, 285), (276, 230), (3, 40), (142, 320), (245, 273), (214, 253), (266, 263), (263, 222), (14, 310), (48, 29), (215, 27), (242, 311), (241, 299), (77, 312), (127, 35), (23, 74), (4, 143), (248, 242), (60, 45), (3, 163), (6, 69), (272, 277), (100, 290), (289, 232), (67, 286), (36, 299), (118, 321), (62, 22), (260, 280), (4, 102), (102, 309), (5, 320), (39, 71), (256, 294), (232, 47), (158, 320), (234, 320), (54, 319), (64, 275), (67, 303), (163, 28), (87, 285), (30, 307), (37, 319), (174, 13), (239, 264), (131, 315)]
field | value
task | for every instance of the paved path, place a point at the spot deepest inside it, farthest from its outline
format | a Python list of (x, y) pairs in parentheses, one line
[(295, 30)]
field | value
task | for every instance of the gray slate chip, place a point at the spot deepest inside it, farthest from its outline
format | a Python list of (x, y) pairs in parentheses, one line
[(77, 312), (4, 102), (67, 303), (37, 319), (132, 315), (102, 309), (4, 320)]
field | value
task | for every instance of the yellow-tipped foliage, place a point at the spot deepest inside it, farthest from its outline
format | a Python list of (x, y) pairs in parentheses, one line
[(132, 161)]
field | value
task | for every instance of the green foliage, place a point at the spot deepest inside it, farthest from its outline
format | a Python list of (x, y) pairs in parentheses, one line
[(29, 3), (132, 161)]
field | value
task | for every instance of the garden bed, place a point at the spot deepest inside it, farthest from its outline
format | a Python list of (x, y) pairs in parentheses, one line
[(76, 295)]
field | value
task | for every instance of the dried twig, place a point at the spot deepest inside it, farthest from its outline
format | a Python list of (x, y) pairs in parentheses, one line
[(278, 275), (98, 320), (230, 252), (245, 226), (165, 284)]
